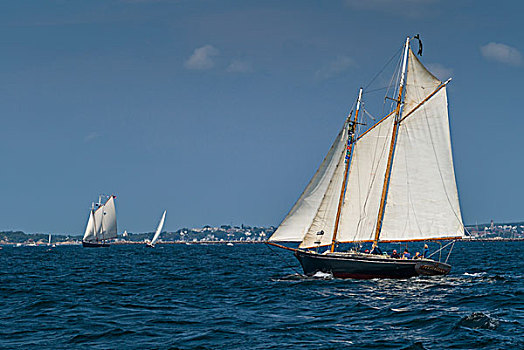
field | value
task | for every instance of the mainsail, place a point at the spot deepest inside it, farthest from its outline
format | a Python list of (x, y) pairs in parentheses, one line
[(421, 197), (422, 201), (159, 228), (298, 221), (109, 220)]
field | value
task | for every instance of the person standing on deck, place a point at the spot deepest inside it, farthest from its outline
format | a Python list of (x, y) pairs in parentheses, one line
[(425, 252)]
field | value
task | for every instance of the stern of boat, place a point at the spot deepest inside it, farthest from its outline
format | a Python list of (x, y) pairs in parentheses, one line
[(432, 268)]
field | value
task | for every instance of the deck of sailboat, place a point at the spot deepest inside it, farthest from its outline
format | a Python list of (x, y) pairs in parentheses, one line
[(365, 256), (365, 266)]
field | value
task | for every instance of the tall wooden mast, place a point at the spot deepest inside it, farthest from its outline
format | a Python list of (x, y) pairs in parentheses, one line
[(351, 141), (392, 146)]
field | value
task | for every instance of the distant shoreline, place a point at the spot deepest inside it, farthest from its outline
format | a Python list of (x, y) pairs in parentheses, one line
[(70, 243), (192, 243), (493, 239)]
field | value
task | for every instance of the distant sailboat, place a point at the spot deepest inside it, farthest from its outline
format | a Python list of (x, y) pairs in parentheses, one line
[(101, 225), (49, 243), (394, 182), (158, 231)]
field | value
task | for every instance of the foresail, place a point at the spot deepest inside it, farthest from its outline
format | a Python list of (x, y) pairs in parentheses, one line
[(298, 221), (159, 228), (323, 226), (89, 234), (109, 219), (364, 189), (365, 180), (422, 200)]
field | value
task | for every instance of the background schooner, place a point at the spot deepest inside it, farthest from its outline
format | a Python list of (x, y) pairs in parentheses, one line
[(395, 182), (101, 225)]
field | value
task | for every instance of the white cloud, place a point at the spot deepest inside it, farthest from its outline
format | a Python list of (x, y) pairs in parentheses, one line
[(202, 58), (91, 136), (502, 53), (238, 66), (441, 72), (335, 67)]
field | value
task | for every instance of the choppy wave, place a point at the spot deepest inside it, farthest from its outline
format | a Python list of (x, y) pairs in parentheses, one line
[(478, 320), (246, 297)]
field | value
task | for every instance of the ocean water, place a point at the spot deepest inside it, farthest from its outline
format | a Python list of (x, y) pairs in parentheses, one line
[(250, 297)]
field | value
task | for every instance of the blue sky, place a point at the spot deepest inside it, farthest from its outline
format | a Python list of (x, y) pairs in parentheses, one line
[(220, 111)]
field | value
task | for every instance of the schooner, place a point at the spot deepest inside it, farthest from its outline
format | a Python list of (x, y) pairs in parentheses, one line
[(101, 225), (395, 182)]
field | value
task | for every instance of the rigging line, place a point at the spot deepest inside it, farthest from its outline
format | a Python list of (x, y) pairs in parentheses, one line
[(450, 250), (440, 249), (384, 67), (280, 256), (395, 77), (375, 90), (369, 114)]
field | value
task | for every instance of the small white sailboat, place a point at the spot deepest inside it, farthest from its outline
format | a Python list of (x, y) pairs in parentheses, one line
[(158, 231), (101, 225), (49, 242)]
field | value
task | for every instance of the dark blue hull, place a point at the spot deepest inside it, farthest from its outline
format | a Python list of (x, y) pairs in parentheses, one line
[(94, 244), (367, 266)]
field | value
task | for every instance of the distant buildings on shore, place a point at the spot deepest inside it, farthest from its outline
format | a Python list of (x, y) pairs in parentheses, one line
[(230, 233), (497, 230), (224, 233)]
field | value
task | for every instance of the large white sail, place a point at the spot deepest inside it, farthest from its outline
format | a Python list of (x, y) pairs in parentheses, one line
[(422, 200), (89, 234), (109, 228), (365, 181), (159, 228), (325, 217), (298, 221), (98, 215)]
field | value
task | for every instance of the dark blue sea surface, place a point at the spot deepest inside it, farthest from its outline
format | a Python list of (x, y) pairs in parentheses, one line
[(250, 297)]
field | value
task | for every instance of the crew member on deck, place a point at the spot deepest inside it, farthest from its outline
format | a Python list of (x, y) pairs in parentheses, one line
[(425, 252), (406, 254), (395, 255), (376, 250)]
